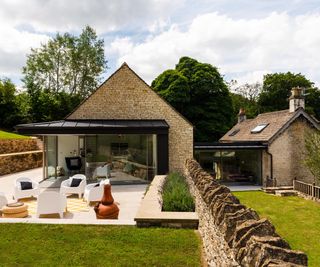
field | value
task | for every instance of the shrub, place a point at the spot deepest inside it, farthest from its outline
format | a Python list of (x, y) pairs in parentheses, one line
[(176, 195)]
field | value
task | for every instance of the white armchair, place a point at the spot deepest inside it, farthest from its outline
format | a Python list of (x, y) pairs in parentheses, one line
[(51, 202), (3, 200), (94, 192), (102, 171), (67, 188), (25, 193)]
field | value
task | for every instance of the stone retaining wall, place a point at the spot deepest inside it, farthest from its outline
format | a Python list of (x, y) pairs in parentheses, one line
[(18, 145), (234, 235), (20, 162)]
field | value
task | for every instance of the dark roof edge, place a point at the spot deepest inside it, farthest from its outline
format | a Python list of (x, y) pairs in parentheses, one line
[(235, 145)]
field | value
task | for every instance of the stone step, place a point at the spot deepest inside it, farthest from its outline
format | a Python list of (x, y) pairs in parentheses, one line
[(286, 193), (272, 190)]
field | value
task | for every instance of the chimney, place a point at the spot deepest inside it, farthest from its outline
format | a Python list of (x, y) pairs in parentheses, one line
[(296, 100), (242, 115)]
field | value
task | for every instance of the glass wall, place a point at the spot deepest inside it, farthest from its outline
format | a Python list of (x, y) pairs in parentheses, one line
[(129, 157), (122, 157), (50, 143), (232, 165)]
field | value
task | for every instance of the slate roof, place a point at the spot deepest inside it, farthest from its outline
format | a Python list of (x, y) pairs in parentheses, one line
[(277, 122)]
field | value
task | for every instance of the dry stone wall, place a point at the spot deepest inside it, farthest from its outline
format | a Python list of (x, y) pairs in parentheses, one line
[(18, 145), (234, 235), (21, 162)]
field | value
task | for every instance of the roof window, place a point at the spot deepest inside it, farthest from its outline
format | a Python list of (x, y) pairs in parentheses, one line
[(233, 133), (259, 128)]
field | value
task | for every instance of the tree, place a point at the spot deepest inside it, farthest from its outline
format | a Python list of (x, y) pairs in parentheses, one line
[(198, 91), (62, 72), (276, 90), (14, 106), (312, 157), (67, 63)]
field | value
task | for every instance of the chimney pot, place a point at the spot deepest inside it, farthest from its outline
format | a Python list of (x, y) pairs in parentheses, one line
[(242, 115), (296, 100)]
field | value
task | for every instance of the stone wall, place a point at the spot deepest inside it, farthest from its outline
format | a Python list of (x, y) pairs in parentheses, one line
[(288, 154), (18, 145), (126, 96), (232, 234), (20, 162)]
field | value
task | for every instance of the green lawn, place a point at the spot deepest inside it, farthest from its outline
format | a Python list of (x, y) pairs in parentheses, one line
[(7, 135), (78, 245), (297, 220)]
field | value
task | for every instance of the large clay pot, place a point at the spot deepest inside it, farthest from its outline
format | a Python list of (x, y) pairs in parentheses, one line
[(106, 209)]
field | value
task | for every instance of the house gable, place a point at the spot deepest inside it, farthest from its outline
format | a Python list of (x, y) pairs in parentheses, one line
[(125, 96)]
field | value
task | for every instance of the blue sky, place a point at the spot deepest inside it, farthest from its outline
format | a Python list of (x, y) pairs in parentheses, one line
[(245, 39)]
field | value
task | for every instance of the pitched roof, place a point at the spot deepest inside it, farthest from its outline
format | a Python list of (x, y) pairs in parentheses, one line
[(121, 68), (276, 121)]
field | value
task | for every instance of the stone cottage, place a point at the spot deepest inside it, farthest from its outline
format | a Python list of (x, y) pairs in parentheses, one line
[(123, 123), (267, 150)]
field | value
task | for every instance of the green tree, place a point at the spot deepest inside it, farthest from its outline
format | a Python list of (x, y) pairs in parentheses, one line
[(312, 157), (198, 91), (14, 106), (62, 72), (276, 90)]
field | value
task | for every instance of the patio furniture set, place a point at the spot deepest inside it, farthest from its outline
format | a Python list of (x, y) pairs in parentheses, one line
[(50, 202)]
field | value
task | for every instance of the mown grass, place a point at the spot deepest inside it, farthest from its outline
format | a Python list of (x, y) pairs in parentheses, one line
[(176, 195), (7, 135), (297, 220), (79, 245)]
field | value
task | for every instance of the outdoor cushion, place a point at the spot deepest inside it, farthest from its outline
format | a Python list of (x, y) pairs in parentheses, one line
[(75, 182), (26, 185)]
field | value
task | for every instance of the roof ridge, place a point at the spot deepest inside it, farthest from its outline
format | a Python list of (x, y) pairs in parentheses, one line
[(276, 111)]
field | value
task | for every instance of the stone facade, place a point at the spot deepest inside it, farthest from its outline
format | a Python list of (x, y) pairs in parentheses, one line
[(288, 152), (126, 96), (232, 234)]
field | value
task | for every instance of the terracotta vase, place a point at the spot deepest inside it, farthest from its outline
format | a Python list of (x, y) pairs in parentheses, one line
[(106, 209)]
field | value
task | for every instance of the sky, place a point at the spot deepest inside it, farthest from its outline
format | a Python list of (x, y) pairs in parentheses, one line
[(244, 39)]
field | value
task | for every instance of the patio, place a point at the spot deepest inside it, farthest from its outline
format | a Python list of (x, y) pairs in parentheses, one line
[(127, 197)]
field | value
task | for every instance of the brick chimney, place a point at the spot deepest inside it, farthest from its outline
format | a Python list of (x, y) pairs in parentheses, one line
[(242, 115), (296, 100)]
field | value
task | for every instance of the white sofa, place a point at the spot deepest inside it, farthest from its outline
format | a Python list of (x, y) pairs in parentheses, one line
[(51, 202), (79, 190), (19, 193), (93, 192)]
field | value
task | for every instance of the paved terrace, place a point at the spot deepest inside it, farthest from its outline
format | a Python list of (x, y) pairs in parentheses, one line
[(128, 198)]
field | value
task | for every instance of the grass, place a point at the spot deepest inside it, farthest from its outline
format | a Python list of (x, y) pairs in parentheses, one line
[(297, 220), (7, 135), (80, 245), (176, 195)]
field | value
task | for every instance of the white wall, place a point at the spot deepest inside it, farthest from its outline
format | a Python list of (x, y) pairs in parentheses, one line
[(66, 147)]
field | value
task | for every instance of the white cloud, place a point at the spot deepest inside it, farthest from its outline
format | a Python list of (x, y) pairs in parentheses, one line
[(72, 15), (245, 48)]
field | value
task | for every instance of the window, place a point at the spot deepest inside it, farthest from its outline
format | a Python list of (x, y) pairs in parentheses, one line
[(233, 133), (259, 128)]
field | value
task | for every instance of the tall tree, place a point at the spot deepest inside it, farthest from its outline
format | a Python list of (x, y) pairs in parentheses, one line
[(276, 90), (67, 63), (198, 91), (62, 72), (14, 106)]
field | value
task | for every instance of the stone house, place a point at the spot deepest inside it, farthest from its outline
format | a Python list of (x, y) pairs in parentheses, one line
[(267, 150), (123, 123)]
